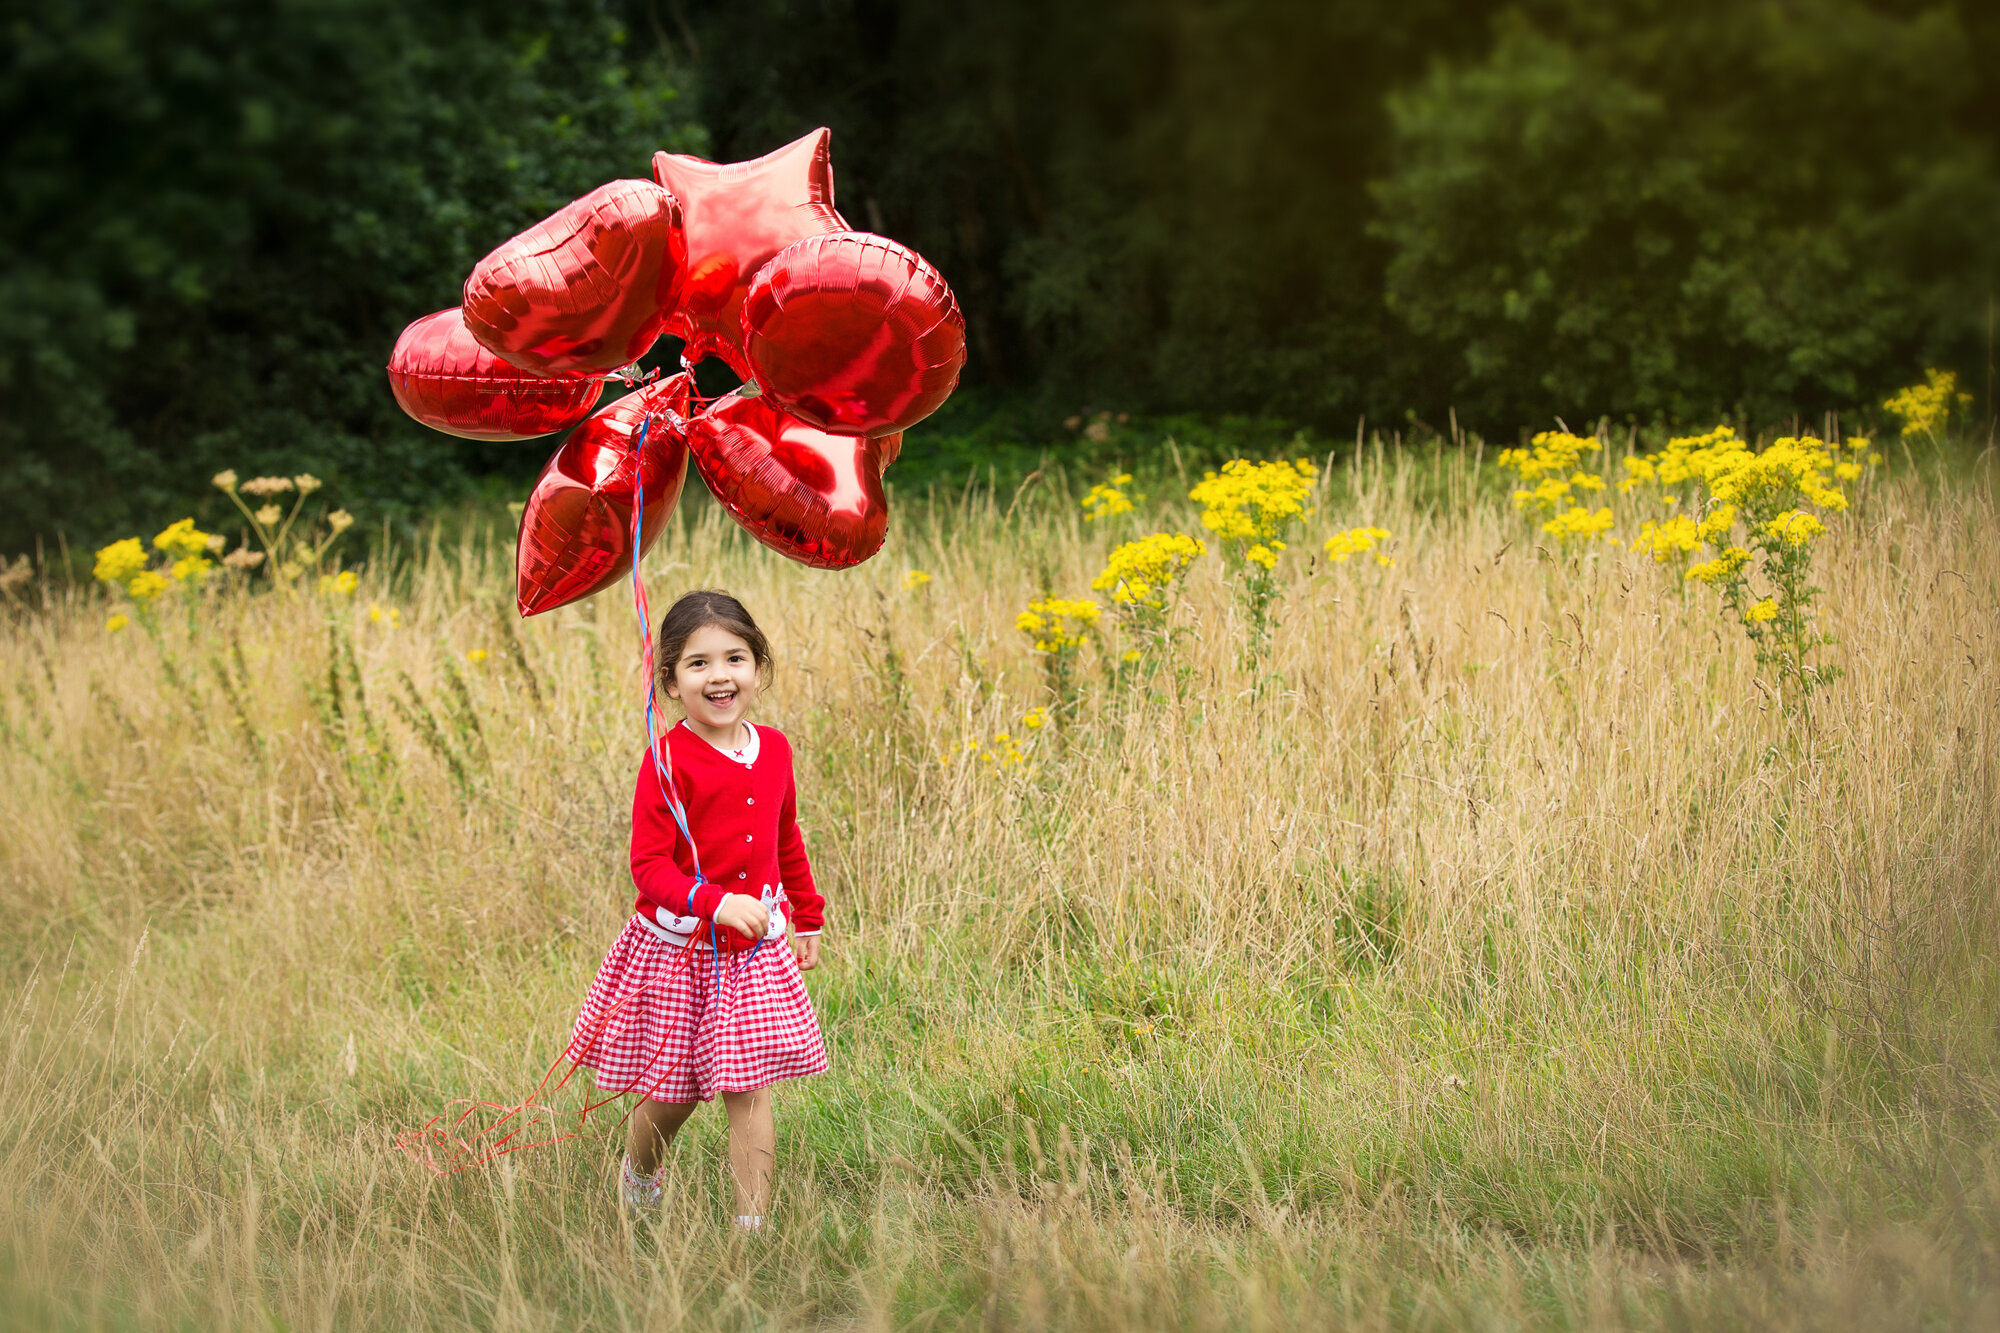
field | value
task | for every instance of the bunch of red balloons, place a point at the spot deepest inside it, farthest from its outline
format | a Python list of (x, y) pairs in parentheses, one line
[(843, 339)]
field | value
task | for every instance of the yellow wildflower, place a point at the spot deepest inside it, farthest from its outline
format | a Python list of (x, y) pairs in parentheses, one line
[(339, 585), (1795, 526), (1343, 546), (1926, 407), (1677, 536), (915, 579), (1058, 624), (476, 656), (1578, 522), (388, 617), (181, 539), (117, 622), (1717, 524), (1107, 499), (1132, 655), (146, 585), (1763, 611), (1140, 573), (192, 567), (1035, 718), (1550, 461), (1252, 502), (1638, 469), (1723, 567), (118, 562), (1262, 555)]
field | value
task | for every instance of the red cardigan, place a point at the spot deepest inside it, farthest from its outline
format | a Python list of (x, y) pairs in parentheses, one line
[(745, 824)]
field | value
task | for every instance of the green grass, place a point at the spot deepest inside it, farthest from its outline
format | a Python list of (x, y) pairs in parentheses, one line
[(1503, 958)]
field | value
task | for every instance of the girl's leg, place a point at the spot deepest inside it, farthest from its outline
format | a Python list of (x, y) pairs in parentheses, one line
[(652, 1129), (753, 1149)]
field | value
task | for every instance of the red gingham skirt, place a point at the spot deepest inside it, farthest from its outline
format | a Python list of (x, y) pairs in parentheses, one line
[(692, 1025)]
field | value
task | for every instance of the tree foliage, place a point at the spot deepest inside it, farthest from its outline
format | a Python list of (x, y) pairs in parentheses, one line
[(1705, 207), (222, 212)]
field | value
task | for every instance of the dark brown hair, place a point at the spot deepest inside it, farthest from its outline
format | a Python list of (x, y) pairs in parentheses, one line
[(699, 610)]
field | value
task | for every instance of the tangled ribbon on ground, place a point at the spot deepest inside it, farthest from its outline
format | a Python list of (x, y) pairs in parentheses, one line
[(474, 1133)]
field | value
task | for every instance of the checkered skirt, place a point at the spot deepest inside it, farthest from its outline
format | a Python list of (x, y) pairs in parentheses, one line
[(678, 1024)]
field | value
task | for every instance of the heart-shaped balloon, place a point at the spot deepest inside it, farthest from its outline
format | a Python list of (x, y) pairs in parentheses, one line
[(739, 214), (802, 492), (576, 530), (853, 333), (587, 288), (445, 379)]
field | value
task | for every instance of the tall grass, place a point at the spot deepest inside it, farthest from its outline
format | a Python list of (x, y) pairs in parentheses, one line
[(1502, 955)]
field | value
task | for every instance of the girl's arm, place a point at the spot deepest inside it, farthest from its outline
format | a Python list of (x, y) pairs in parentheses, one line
[(808, 908), (656, 840)]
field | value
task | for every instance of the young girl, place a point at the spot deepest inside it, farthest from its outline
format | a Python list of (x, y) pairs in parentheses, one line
[(701, 993)]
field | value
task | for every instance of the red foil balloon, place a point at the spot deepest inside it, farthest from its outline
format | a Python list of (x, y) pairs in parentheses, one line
[(802, 492), (853, 333), (445, 379), (576, 531), (737, 216), (588, 288)]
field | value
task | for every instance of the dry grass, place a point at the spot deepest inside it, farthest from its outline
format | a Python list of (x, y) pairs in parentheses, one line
[(1504, 957)]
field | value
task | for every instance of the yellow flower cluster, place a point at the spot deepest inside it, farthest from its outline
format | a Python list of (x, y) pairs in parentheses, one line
[(1733, 471), (1140, 573), (342, 584), (1683, 536), (1551, 462), (1252, 502), (388, 617), (1578, 523), (1344, 546), (1721, 569), (1795, 526), (1058, 624), (118, 562), (124, 562), (1107, 500), (1763, 612), (1263, 556), (1678, 536), (1035, 718), (1926, 407), (915, 579)]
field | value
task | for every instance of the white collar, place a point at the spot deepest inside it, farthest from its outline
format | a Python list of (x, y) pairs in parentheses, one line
[(745, 756)]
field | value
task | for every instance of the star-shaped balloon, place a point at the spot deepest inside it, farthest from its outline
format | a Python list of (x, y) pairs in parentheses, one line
[(737, 215)]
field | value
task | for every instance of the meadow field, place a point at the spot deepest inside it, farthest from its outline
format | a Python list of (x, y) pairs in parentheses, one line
[(1499, 950)]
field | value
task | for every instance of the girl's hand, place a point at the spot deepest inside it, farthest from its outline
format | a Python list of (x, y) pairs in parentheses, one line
[(744, 915), (805, 948)]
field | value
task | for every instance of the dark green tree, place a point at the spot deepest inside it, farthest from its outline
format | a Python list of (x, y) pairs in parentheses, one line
[(222, 212), (1675, 210)]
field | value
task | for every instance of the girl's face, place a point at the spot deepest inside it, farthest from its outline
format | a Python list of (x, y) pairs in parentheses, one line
[(715, 678)]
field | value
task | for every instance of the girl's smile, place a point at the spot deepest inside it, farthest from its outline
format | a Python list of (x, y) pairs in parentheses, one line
[(715, 680)]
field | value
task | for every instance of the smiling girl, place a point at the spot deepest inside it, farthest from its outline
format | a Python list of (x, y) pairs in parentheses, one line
[(701, 994)]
